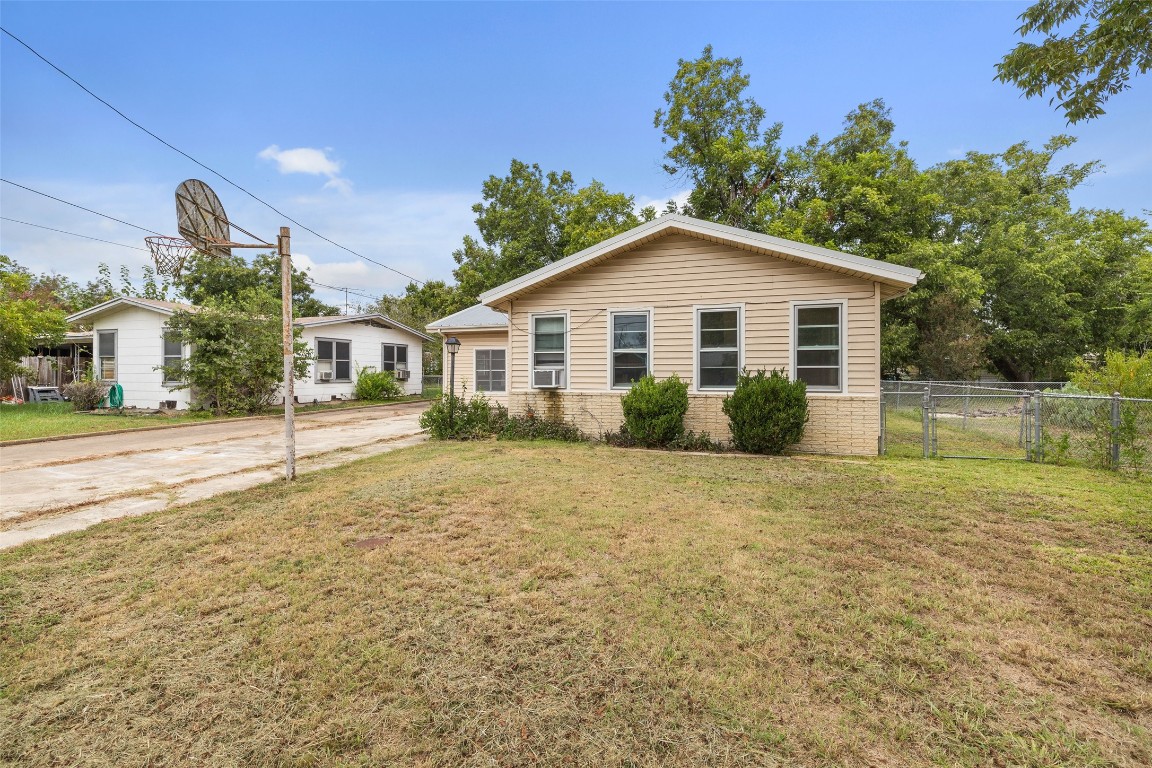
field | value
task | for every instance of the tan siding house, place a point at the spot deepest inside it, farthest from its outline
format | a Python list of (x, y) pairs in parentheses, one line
[(701, 300), (482, 362)]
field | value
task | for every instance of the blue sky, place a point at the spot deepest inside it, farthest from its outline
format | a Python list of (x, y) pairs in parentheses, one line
[(375, 123)]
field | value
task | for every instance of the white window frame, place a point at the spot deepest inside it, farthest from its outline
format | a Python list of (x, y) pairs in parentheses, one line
[(476, 370), (100, 353), (567, 366), (395, 346), (316, 365), (612, 312), (697, 309), (794, 332), (164, 359)]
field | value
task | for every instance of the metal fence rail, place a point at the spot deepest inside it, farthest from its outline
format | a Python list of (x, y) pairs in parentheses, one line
[(1001, 420)]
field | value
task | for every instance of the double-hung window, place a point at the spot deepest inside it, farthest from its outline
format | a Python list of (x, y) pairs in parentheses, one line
[(819, 346), (393, 357), (718, 347), (333, 360), (491, 370), (548, 341), (173, 356), (630, 347), (106, 354)]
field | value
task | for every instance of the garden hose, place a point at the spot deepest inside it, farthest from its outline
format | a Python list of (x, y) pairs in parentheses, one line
[(116, 396)]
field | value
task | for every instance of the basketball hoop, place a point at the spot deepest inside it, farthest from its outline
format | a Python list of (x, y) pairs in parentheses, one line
[(169, 253)]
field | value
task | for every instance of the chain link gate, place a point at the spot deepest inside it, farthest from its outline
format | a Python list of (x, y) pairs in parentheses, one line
[(980, 425)]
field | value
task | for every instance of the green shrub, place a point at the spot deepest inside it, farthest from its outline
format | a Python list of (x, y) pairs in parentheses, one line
[(689, 441), (85, 393), (451, 417), (376, 385), (654, 411), (528, 427), (766, 412), (1128, 374)]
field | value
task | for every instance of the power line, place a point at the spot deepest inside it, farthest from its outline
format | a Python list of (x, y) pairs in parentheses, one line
[(74, 234), (202, 165), (74, 205)]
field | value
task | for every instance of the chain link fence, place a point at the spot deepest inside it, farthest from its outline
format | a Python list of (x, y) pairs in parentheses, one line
[(1030, 421)]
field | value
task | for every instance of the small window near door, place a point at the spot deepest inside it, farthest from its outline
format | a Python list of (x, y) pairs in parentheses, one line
[(333, 360), (491, 370), (106, 354), (173, 356), (393, 357)]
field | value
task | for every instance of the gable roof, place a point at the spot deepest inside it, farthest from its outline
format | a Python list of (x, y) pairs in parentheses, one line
[(896, 279), (314, 322), (476, 316), (154, 305), (169, 308)]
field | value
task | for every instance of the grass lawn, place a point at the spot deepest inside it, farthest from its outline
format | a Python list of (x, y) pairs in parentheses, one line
[(34, 420), (558, 604)]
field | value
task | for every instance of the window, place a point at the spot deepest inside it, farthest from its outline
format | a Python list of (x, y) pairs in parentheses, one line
[(106, 353), (393, 357), (630, 349), (491, 369), (548, 341), (818, 347), (718, 344), (333, 360), (173, 355)]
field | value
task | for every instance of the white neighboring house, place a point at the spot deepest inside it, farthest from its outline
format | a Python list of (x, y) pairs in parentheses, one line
[(129, 345)]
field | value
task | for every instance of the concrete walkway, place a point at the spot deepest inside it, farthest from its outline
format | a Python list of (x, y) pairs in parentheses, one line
[(66, 485)]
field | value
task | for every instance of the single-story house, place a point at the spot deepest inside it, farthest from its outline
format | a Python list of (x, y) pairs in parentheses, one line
[(690, 297), (129, 344)]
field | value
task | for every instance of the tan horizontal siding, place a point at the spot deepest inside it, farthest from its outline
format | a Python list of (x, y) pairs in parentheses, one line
[(470, 341), (671, 275)]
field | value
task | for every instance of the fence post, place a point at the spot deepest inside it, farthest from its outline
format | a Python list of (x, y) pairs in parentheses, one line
[(1037, 426), (1025, 426), (1115, 436), (967, 394), (924, 419)]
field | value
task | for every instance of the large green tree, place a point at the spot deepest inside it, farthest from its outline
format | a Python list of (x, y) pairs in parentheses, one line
[(26, 320), (1089, 52), (717, 142), (527, 219), (208, 279)]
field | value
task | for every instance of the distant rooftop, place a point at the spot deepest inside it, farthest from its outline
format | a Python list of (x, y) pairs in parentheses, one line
[(478, 316)]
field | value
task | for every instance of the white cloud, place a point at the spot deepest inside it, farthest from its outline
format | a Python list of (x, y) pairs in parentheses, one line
[(680, 197), (308, 160)]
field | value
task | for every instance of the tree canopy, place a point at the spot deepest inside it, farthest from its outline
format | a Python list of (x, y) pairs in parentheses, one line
[(1106, 42), (26, 319), (211, 279)]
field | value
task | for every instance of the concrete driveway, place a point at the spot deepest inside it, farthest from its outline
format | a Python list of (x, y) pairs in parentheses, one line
[(52, 487)]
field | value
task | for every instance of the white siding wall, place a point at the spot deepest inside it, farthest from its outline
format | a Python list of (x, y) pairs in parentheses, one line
[(366, 340), (139, 349)]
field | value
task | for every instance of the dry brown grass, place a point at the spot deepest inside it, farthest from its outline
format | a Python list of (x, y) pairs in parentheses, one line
[(576, 605)]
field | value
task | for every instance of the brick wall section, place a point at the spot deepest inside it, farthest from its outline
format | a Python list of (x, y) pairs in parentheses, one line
[(836, 425)]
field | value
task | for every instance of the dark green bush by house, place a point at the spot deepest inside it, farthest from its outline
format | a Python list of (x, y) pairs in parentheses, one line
[(376, 385), (766, 412), (654, 411)]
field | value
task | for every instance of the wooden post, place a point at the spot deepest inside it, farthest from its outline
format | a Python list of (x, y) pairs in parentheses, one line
[(284, 245)]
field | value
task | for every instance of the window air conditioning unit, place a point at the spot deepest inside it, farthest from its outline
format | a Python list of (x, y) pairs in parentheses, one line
[(402, 374), (325, 375), (547, 378)]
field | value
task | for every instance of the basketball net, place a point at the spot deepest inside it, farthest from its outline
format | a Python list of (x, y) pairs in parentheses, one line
[(169, 254)]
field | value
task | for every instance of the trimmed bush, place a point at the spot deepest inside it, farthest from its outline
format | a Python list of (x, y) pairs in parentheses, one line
[(654, 411), (376, 385), (766, 412)]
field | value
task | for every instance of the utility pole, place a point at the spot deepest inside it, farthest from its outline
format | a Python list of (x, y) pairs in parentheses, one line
[(284, 245)]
